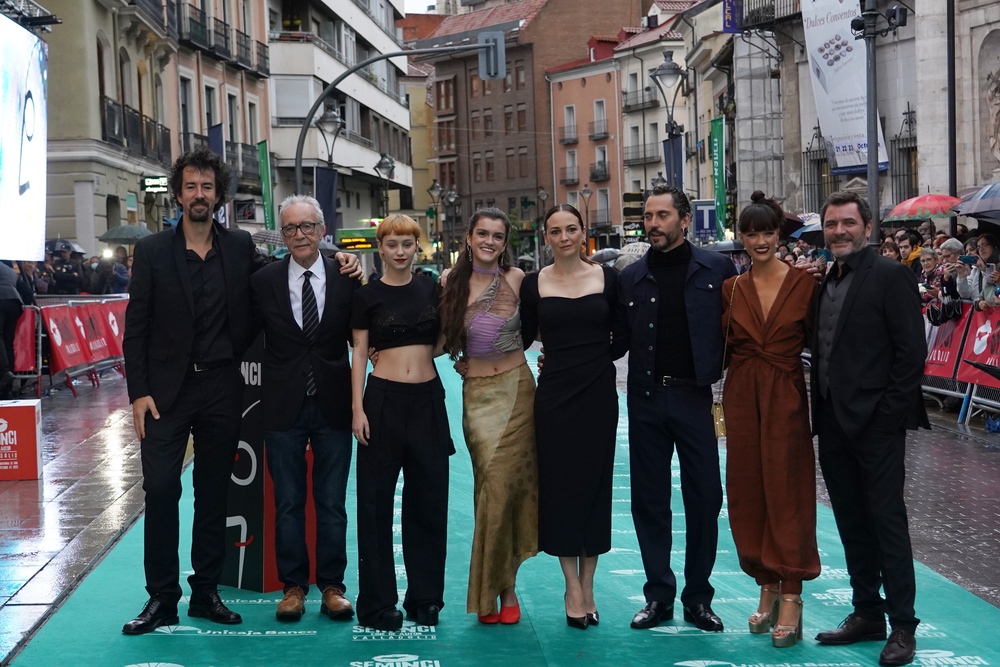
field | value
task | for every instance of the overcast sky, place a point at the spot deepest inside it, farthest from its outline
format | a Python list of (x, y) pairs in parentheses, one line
[(417, 6)]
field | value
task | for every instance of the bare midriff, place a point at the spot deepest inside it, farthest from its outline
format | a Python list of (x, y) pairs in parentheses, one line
[(480, 367), (410, 363)]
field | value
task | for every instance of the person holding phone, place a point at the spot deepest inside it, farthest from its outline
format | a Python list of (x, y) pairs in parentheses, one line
[(982, 278), (954, 270), (930, 274)]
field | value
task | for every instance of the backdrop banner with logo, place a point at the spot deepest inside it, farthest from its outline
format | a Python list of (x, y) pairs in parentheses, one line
[(837, 67)]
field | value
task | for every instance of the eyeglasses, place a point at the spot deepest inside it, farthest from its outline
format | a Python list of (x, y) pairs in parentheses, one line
[(307, 228), (980, 246)]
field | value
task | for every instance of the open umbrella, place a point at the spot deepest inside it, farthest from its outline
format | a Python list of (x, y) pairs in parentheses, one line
[(811, 233), (55, 245), (728, 247), (790, 224), (124, 234), (269, 236), (987, 200), (638, 248), (605, 255), (923, 207)]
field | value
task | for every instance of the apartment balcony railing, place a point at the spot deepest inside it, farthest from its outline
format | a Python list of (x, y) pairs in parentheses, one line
[(194, 28), (133, 130), (766, 12), (642, 154), (598, 130), (173, 19), (150, 138), (244, 50), (163, 145), (569, 176), (567, 135), (599, 172), (637, 100), (358, 139), (380, 20), (249, 161), (599, 217), (191, 141), (112, 123), (233, 156), (221, 40), (151, 10), (263, 68), (324, 46)]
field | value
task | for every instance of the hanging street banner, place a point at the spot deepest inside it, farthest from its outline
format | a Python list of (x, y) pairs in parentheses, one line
[(732, 16), (837, 67), (264, 160), (718, 145)]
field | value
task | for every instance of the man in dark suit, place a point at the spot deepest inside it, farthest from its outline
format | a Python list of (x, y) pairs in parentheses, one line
[(305, 308), (869, 351), (670, 305), (188, 323)]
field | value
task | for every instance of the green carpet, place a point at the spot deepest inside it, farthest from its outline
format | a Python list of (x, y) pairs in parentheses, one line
[(86, 630)]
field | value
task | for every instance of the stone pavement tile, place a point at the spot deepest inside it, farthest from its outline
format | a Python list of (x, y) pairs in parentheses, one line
[(16, 621)]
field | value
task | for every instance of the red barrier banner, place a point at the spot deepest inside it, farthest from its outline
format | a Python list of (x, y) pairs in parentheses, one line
[(91, 317), (982, 344), (112, 315), (25, 343), (65, 336), (944, 345)]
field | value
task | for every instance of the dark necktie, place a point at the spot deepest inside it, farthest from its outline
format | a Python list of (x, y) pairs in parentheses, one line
[(310, 323)]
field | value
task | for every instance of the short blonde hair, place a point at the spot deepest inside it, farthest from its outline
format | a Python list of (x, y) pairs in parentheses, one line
[(398, 224)]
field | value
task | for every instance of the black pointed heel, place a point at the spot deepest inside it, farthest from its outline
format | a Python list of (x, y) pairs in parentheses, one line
[(580, 623)]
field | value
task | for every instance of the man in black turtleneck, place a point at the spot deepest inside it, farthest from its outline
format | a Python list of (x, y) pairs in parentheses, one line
[(670, 304)]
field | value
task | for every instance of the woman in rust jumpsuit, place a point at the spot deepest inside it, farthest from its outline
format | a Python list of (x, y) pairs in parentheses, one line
[(770, 470)]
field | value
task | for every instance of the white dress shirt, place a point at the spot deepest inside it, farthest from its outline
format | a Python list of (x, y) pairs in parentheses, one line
[(318, 282)]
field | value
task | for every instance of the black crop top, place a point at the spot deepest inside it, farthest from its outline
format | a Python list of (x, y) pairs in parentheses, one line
[(398, 315)]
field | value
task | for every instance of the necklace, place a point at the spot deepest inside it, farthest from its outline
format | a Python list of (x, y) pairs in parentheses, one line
[(489, 272)]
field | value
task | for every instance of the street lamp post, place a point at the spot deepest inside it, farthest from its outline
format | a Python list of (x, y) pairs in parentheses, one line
[(386, 168), (451, 212), (586, 193), (666, 75), (542, 197), (435, 192), (334, 124)]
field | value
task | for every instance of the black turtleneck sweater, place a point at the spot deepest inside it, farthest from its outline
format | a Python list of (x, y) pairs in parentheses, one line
[(674, 356)]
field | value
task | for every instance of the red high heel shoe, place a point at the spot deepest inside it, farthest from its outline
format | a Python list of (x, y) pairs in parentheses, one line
[(510, 615), (489, 619)]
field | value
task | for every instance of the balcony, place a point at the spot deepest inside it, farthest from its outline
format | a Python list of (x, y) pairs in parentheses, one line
[(643, 154), (599, 172), (637, 100), (380, 20), (567, 135), (233, 156), (263, 69), (150, 138), (112, 124), (173, 20), (324, 46), (133, 130), (249, 162), (569, 176), (221, 41), (599, 217), (194, 28), (598, 130), (163, 146), (191, 141), (760, 13), (151, 10), (244, 50)]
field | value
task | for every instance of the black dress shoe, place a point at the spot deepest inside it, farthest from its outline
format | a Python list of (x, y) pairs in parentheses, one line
[(855, 628), (652, 615), (208, 604), (593, 618), (900, 648), (153, 615), (703, 617), (389, 620), (578, 622), (427, 615)]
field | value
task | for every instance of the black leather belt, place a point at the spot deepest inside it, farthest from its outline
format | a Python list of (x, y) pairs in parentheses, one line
[(200, 366), (668, 381)]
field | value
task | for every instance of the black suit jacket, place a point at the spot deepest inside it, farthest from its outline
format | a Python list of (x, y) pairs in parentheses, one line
[(159, 320), (879, 350), (288, 352)]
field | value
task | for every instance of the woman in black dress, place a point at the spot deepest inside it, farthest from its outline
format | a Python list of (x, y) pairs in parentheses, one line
[(570, 307)]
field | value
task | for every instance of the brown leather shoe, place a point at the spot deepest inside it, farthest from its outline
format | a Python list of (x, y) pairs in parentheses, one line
[(292, 606), (335, 605)]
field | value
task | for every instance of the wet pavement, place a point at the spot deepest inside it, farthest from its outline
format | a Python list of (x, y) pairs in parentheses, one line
[(53, 530)]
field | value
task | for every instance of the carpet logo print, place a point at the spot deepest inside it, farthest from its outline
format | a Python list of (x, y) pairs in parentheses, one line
[(154, 664), (397, 660), (939, 658), (410, 631), (191, 631), (835, 597), (711, 663)]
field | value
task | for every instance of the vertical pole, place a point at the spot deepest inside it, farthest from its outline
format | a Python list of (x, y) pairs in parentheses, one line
[(952, 116), (870, 15)]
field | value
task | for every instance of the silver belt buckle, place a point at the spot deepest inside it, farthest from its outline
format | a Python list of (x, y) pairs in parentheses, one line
[(199, 367), (664, 379)]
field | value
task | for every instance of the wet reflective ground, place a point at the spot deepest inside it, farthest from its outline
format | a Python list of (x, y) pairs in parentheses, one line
[(54, 529)]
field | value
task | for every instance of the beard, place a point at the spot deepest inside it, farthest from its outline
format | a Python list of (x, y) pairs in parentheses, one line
[(667, 240), (199, 217), (856, 245)]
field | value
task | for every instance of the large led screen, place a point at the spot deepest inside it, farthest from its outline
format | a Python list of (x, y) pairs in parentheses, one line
[(23, 135)]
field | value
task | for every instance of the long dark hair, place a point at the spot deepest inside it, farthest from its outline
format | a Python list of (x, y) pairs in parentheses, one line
[(576, 214), (455, 297)]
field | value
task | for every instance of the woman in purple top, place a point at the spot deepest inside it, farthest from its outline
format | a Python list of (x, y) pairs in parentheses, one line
[(481, 321)]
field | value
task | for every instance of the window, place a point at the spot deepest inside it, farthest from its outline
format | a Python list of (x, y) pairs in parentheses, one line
[(573, 199), (475, 124), (519, 75), (636, 186), (490, 203), (474, 83), (488, 122), (487, 87), (185, 95), (477, 167), (508, 119), (444, 95), (522, 117), (522, 158), (599, 111), (511, 163), (252, 123), (511, 204), (654, 134), (210, 113), (273, 22), (490, 166), (446, 176), (446, 136), (232, 107), (508, 81), (478, 204)]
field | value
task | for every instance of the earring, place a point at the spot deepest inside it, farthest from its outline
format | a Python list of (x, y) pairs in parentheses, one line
[(469, 248)]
